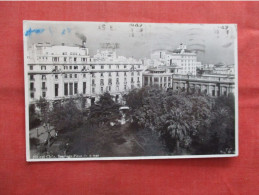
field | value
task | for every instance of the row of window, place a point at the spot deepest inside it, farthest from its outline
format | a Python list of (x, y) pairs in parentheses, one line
[(43, 77), (65, 59), (72, 89), (108, 88), (117, 81), (156, 79), (75, 67)]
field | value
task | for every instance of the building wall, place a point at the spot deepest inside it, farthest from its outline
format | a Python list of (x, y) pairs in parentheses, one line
[(56, 72), (183, 58)]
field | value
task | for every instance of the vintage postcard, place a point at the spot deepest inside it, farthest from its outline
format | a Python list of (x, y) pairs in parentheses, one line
[(110, 91)]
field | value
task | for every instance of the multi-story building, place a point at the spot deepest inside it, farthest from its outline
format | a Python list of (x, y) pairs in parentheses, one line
[(160, 76), (181, 57), (63, 71), (114, 74), (213, 85)]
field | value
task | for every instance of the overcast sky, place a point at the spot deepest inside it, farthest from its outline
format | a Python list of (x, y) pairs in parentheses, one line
[(215, 43)]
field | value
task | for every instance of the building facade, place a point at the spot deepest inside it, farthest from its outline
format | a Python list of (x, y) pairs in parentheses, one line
[(181, 57), (62, 71), (158, 77), (213, 85)]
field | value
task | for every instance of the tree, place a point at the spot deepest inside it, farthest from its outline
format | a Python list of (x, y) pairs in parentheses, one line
[(104, 111), (34, 120), (44, 107), (66, 115), (176, 116)]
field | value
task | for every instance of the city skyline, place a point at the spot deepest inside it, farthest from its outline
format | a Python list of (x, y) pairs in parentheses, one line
[(214, 43)]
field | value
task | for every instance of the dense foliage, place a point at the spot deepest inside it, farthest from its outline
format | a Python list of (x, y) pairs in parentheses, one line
[(66, 115), (34, 119), (188, 122)]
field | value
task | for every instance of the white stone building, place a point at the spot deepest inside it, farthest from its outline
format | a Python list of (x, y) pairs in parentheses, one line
[(181, 57), (63, 71)]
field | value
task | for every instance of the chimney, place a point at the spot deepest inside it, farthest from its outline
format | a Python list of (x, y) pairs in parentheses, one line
[(83, 44)]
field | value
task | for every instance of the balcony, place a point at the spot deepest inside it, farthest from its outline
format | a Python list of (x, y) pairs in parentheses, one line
[(44, 88), (32, 89)]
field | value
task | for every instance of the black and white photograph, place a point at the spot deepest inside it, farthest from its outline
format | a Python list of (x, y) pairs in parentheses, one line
[(122, 90)]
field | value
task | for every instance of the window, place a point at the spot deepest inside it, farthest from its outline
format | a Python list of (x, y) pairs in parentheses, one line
[(125, 66), (110, 81), (65, 59), (110, 74), (118, 66), (31, 67), (43, 77), (138, 73), (43, 85), (84, 87), (93, 90), (101, 82), (70, 88), (74, 59), (75, 67), (117, 74), (84, 75), (31, 77), (65, 76), (132, 80), (44, 94), (125, 74), (125, 87), (138, 79), (101, 74), (102, 89), (102, 67), (32, 95), (31, 86), (71, 76), (75, 88), (43, 67), (56, 76), (75, 75), (109, 88), (56, 90), (132, 73), (110, 66), (93, 82), (70, 67), (117, 88)]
